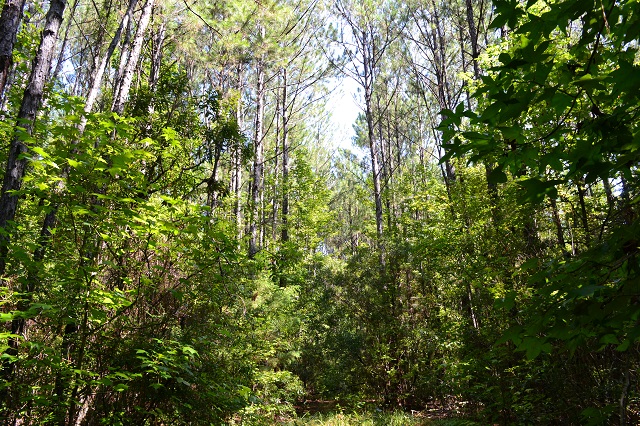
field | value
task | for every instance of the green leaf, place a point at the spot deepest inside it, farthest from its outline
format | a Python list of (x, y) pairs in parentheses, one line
[(530, 264), (536, 189), (624, 345), (497, 176), (585, 291), (188, 350), (105, 381), (609, 339), (41, 152)]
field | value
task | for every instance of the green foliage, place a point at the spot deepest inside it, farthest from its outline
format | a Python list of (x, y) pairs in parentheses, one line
[(558, 114), (504, 283), (365, 418)]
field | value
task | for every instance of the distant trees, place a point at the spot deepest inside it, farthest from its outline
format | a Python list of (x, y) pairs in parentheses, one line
[(367, 33), (527, 185)]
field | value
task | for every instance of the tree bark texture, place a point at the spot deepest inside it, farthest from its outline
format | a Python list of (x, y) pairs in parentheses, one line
[(9, 24), (126, 78), (236, 173), (285, 160), (17, 161), (31, 102), (258, 164), (97, 78)]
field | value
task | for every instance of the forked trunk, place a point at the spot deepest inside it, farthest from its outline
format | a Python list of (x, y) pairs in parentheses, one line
[(126, 78)]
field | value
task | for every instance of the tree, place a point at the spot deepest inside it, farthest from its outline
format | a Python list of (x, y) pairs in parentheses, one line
[(9, 22), (369, 29), (100, 70), (125, 78), (17, 159), (31, 102), (257, 171), (558, 127)]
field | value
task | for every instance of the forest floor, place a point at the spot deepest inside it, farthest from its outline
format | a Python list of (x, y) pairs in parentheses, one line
[(331, 413), (376, 419)]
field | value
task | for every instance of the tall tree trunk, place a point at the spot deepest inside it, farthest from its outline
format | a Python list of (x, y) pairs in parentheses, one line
[(285, 160), (17, 161), (368, 81), (473, 35), (375, 171), (126, 78), (156, 55), (236, 173), (583, 213), (385, 158), (31, 102), (438, 49), (475, 53), (275, 184), (125, 50), (9, 24), (559, 228), (258, 163), (611, 200)]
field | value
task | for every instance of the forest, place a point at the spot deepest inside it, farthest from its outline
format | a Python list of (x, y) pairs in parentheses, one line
[(186, 238)]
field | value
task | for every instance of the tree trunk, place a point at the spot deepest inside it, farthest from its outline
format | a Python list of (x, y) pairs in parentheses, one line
[(583, 213), (258, 164), (236, 173), (126, 78), (368, 79), (285, 160), (275, 184), (17, 161), (611, 200), (473, 35), (156, 55), (31, 102), (558, 223), (9, 24), (97, 78)]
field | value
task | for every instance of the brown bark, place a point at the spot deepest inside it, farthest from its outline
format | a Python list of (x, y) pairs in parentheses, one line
[(559, 228), (473, 35)]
